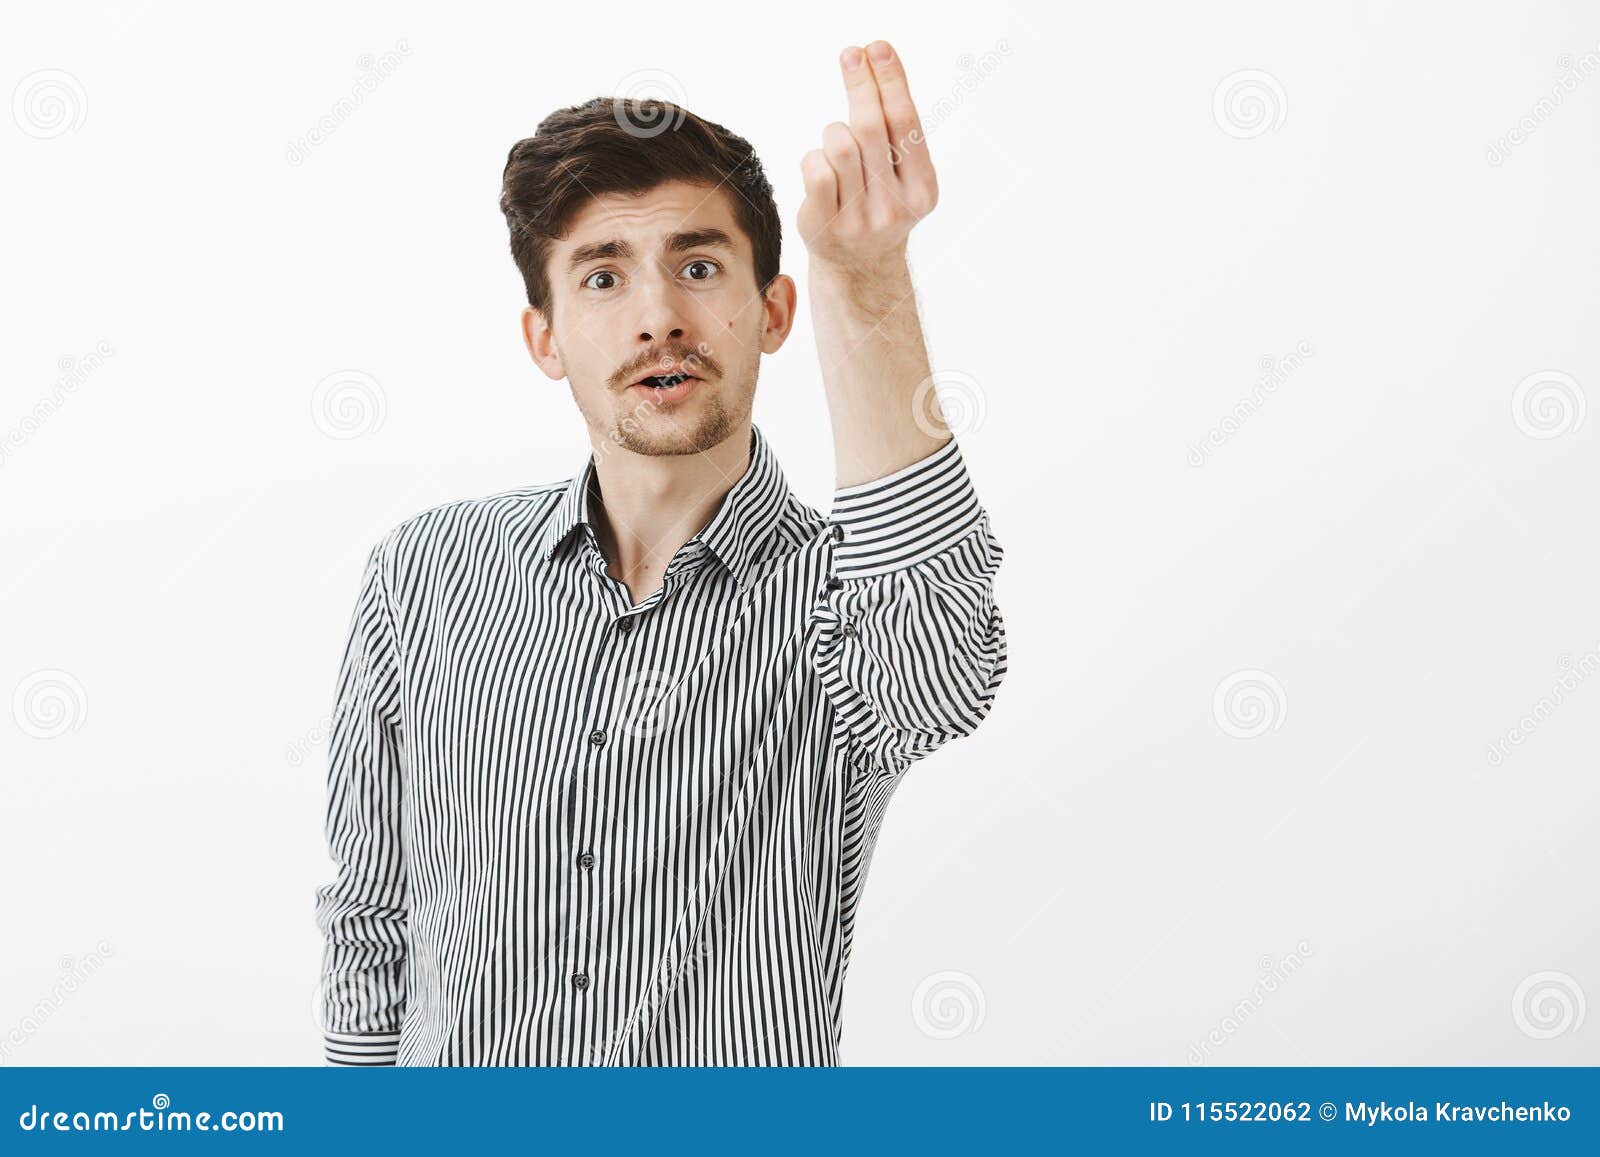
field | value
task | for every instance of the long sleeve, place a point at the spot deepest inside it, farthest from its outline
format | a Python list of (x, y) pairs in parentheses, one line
[(909, 643), (362, 913)]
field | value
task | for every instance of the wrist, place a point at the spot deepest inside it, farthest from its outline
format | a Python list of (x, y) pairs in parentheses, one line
[(875, 285)]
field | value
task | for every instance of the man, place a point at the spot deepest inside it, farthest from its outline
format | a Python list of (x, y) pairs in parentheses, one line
[(609, 756)]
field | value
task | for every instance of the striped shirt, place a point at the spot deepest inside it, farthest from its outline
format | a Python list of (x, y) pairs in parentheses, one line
[(569, 830)]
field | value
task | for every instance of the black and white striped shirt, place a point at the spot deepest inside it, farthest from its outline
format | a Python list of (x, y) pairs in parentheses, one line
[(574, 831)]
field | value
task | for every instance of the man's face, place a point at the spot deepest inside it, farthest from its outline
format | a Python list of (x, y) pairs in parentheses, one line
[(659, 286)]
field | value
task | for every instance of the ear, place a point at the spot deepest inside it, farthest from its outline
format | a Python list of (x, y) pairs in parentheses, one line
[(541, 342), (778, 310)]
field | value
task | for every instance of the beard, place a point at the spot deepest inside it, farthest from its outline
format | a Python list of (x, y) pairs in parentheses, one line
[(714, 413), (657, 431)]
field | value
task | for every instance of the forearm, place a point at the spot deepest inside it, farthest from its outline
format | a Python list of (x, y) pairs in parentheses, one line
[(866, 187), (875, 369), (363, 912)]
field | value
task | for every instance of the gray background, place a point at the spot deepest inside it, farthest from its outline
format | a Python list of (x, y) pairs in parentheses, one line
[(1270, 339)]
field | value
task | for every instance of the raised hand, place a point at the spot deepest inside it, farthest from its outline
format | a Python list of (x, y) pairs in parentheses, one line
[(872, 180)]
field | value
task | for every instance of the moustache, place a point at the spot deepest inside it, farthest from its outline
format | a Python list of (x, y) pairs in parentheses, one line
[(700, 365)]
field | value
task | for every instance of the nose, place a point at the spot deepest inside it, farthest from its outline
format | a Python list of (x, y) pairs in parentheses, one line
[(661, 315)]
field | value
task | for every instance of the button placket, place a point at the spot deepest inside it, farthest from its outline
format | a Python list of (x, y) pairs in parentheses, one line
[(582, 883), (589, 781)]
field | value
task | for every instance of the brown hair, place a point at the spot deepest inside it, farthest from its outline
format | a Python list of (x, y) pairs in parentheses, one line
[(618, 145)]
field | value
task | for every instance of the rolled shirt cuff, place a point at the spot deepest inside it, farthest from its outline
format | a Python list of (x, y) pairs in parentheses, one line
[(904, 518), (360, 1049)]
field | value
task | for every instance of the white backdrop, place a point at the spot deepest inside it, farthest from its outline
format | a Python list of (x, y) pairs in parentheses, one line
[(1272, 335)]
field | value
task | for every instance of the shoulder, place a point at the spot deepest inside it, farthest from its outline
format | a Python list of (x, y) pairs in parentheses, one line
[(437, 528)]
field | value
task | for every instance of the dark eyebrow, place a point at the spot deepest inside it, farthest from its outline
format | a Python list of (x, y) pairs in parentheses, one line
[(598, 251), (698, 239), (677, 243)]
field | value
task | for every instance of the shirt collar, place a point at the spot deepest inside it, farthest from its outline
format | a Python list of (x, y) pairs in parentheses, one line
[(734, 535)]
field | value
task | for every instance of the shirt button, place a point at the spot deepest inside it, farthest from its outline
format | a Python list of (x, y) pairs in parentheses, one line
[(834, 582), (625, 625), (849, 630), (586, 860), (597, 738), (838, 532), (580, 980)]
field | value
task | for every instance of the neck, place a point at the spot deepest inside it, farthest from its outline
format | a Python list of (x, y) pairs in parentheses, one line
[(650, 505)]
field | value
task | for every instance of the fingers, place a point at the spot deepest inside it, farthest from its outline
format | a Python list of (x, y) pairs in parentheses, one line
[(899, 112), (844, 157), (821, 185), (866, 114), (872, 179)]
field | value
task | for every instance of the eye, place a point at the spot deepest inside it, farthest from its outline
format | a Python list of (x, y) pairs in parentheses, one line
[(588, 281), (706, 269)]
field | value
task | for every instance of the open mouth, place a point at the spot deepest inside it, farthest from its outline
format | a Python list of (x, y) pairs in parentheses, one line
[(665, 381)]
